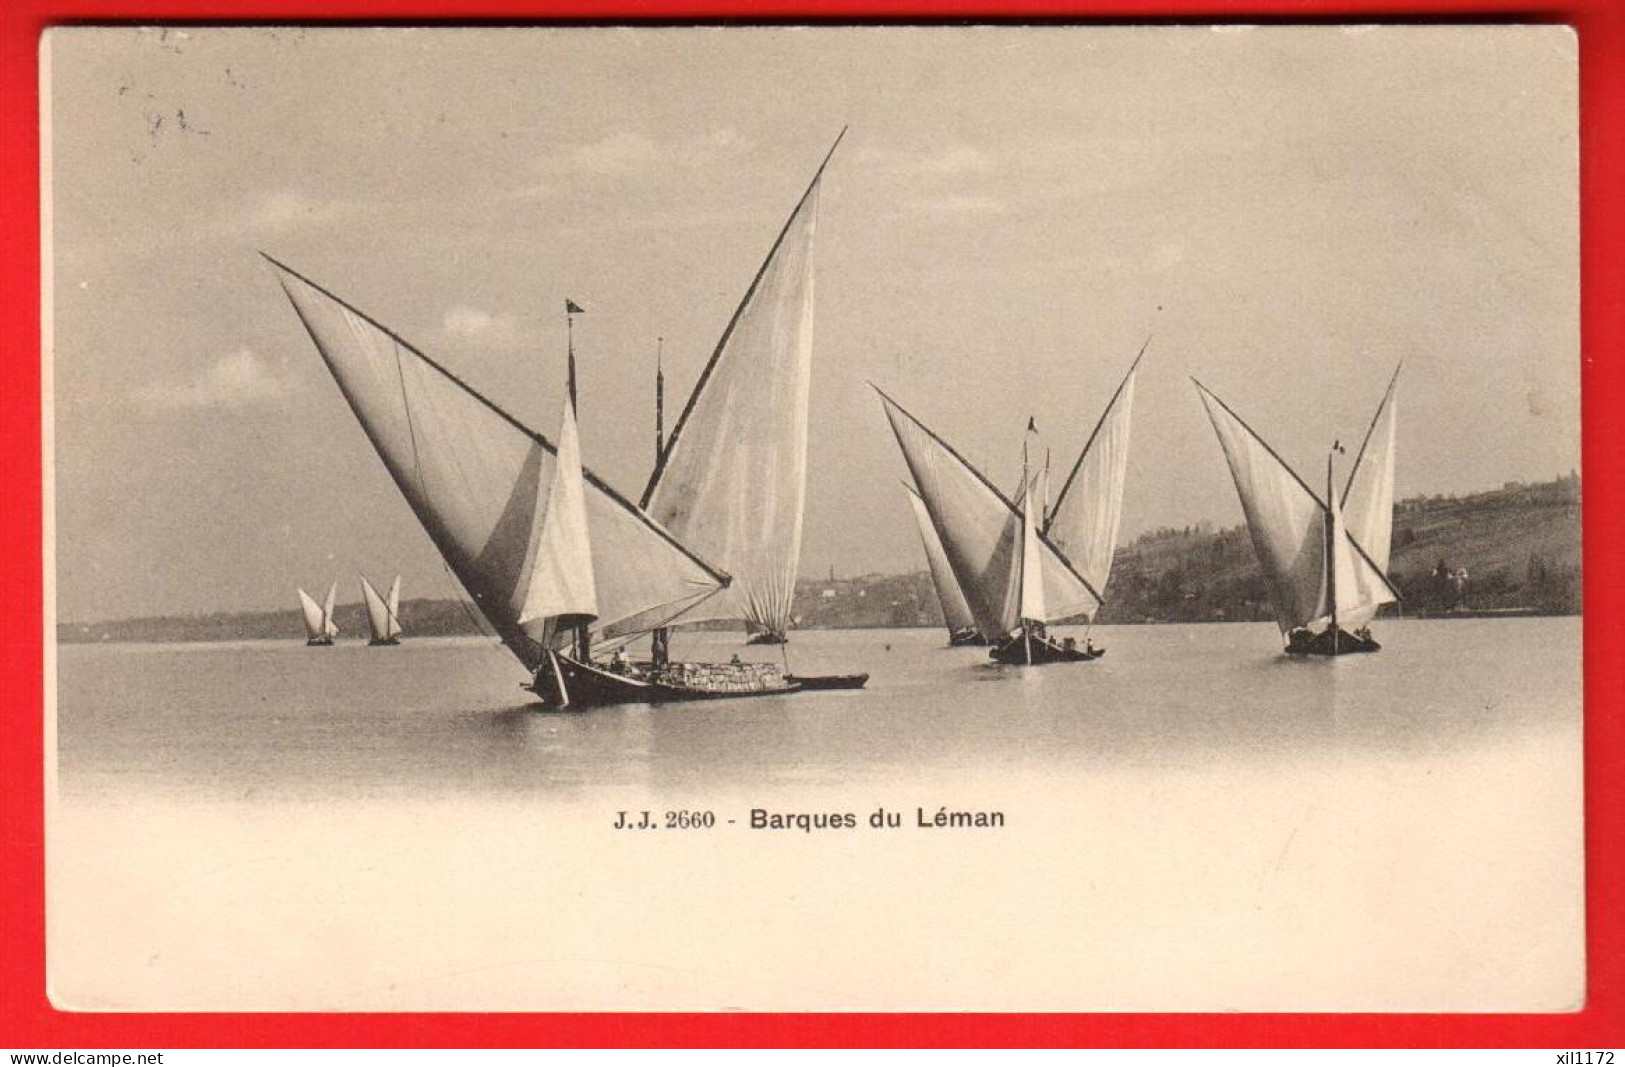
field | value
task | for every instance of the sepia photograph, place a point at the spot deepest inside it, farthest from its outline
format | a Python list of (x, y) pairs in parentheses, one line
[(1064, 518)]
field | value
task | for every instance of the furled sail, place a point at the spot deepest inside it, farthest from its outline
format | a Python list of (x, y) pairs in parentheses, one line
[(380, 615), (1288, 525), (982, 534), (315, 621), (955, 612), (329, 627), (1089, 510), (561, 590), (474, 476), (731, 482)]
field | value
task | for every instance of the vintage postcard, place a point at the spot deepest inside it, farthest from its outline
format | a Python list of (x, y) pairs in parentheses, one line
[(1066, 518)]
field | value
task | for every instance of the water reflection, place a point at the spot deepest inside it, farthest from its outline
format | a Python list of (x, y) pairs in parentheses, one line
[(432, 718)]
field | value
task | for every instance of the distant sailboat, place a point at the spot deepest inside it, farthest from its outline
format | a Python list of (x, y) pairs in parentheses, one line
[(1020, 564), (383, 614), (731, 480), (319, 626), (1325, 562), (1014, 578), (956, 613)]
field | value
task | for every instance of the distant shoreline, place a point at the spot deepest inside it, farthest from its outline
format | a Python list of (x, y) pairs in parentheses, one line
[(80, 636), (1507, 553)]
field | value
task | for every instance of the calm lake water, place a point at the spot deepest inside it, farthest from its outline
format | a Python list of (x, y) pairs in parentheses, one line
[(1194, 821)]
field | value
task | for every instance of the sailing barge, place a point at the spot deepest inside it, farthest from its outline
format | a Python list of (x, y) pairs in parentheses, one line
[(1018, 566), (568, 571), (1325, 561), (383, 614), (320, 630)]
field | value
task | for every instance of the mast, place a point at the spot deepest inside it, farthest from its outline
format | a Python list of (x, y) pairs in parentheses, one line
[(1026, 531), (1332, 532), (660, 638), (660, 398), (583, 639)]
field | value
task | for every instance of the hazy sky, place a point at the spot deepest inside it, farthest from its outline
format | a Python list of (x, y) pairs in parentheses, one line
[(1288, 212)]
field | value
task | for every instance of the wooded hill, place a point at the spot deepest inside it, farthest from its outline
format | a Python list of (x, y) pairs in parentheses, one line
[(1510, 550)]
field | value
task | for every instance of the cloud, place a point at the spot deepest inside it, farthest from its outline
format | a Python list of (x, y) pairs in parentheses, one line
[(950, 161), (474, 324), (282, 211), (957, 206), (618, 153), (236, 380), (956, 159), (628, 153)]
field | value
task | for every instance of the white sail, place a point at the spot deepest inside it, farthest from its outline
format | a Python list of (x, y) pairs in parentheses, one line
[(1033, 600), (560, 590), (1287, 522), (1368, 504), (1085, 518), (378, 613), (393, 605), (982, 535), (955, 612), (473, 475), (732, 480), (314, 619), (329, 627)]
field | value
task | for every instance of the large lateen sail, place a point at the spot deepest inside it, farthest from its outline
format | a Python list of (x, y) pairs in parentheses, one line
[(474, 476), (955, 612), (1085, 517), (731, 482), (315, 620), (982, 535), (561, 590), (1368, 502), (1288, 524)]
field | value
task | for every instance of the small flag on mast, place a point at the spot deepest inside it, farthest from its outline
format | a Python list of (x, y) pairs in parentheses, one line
[(572, 308), (1032, 427)]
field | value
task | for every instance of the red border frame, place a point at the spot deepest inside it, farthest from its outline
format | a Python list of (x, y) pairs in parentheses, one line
[(27, 1019)]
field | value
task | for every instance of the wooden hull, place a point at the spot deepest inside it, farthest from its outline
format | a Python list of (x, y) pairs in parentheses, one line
[(1330, 642), (827, 681), (588, 685), (319, 642), (1036, 651), (967, 636), (387, 642)]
